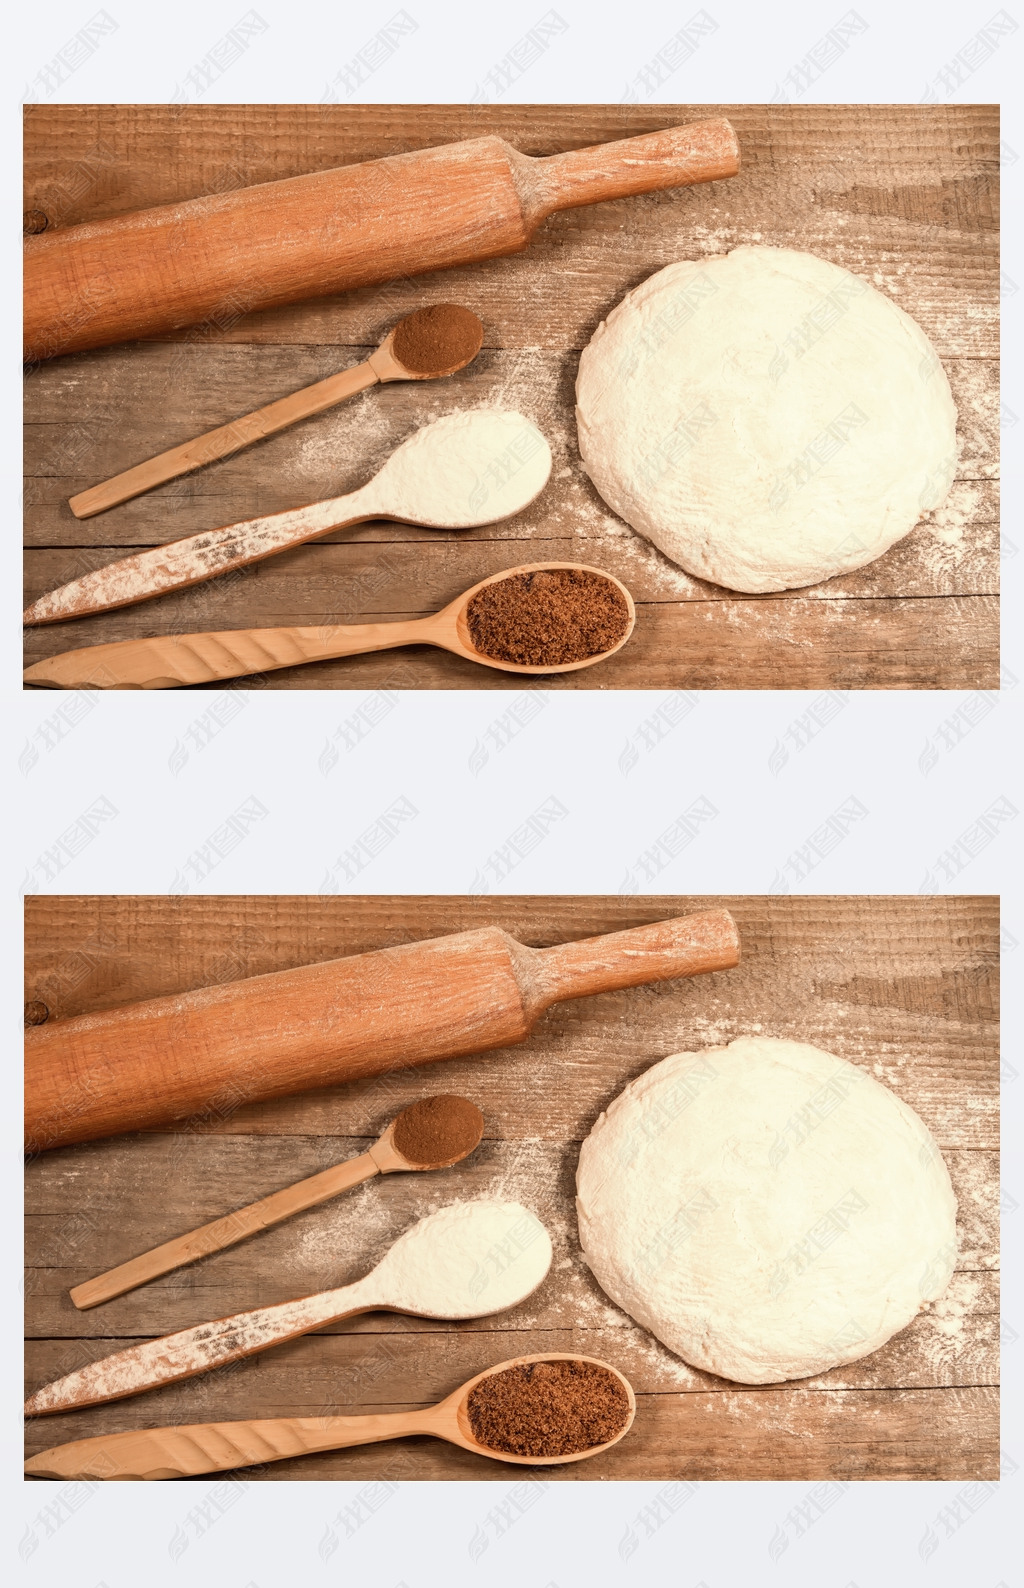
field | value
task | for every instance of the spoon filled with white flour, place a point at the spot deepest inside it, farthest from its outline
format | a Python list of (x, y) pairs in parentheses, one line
[(765, 418), (459, 472), (465, 1261)]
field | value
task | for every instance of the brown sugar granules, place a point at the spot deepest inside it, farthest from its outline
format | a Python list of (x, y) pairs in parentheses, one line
[(548, 618), (437, 340), (438, 1131), (548, 1408)]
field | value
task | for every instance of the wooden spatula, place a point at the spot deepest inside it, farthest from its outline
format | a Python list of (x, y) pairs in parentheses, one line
[(189, 1451), (164, 661)]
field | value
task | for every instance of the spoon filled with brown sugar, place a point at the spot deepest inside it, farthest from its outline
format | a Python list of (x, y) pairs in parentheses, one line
[(430, 343), (434, 1133), (537, 1411), (541, 617)]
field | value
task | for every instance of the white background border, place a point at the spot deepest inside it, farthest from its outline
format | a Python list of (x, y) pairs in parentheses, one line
[(161, 778)]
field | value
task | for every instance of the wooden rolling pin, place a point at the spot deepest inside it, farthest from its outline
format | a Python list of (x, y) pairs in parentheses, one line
[(150, 1063), (154, 271)]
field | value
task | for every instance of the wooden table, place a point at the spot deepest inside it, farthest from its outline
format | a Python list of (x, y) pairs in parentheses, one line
[(903, 986), (904, 195)]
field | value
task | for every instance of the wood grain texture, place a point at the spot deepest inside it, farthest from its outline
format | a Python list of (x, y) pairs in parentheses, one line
[(359, 224), (336, 1020), (905, 986), (905, 195)]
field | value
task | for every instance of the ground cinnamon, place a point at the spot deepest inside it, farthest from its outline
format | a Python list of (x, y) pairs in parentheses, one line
[(548, 618), (438, 1131), (437, 340), (548, 1408)]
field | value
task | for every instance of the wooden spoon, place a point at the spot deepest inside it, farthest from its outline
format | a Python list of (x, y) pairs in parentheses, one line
[(174, 659), (467, 469), (464, 1261), (382, 1158), (381, 366), (189, 1451)]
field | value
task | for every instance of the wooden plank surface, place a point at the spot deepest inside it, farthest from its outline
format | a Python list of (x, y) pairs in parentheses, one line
[(904, 195), (904, 986)]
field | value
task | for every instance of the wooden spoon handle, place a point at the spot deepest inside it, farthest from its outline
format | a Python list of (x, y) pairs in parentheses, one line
[(190, 561), (196, 1350), (223, 441), (190, 1450), (173, 659), (226, 1231)]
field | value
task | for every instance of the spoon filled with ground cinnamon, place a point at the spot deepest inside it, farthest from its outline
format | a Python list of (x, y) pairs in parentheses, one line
[(427, 344), (541, 617), (434, 1133), (537, 1411)]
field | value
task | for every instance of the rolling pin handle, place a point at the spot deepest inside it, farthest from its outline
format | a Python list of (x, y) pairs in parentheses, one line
[(683, 946), (702, 151)]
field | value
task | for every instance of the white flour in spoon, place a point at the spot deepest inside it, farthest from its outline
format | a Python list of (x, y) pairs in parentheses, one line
[(469, 468), (465, 1261)]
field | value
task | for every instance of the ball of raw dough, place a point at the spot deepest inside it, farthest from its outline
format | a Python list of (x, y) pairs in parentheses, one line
[(766, 1209), (765, 418)]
